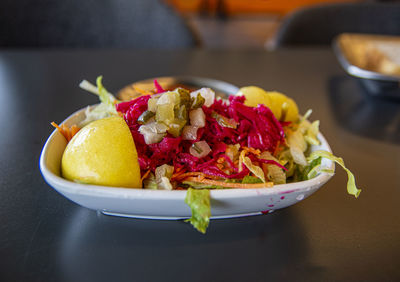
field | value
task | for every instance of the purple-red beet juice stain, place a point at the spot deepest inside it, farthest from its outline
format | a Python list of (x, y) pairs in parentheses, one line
[(287, 192), (283, 197), (265, 212)]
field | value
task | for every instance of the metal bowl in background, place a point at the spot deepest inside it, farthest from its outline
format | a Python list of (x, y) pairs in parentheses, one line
[(375, 83), (221, 88)]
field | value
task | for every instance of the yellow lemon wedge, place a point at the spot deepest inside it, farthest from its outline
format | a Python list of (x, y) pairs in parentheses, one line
[(254, 96), (103, 153), (283, 107)]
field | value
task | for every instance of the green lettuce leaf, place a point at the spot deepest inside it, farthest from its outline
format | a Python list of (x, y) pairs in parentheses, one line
[(199, 202), (106, 108), (351, 183), (199, 185), (309, 170), (104, 95), (248, 179)]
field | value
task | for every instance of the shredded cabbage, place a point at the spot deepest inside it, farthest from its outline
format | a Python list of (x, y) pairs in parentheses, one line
[(274, 172), (298, 155), (297, 147), (306, 115), (106, 108), (311, 133), (255, 169)]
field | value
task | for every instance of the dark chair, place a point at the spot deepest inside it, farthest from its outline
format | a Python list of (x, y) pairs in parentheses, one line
[(92, 24), (318, 25)]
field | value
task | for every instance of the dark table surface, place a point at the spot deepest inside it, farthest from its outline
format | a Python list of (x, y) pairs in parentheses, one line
[(329, 236)]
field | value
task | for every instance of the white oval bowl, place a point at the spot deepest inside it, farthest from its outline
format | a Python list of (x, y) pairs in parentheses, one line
[(162, 204)]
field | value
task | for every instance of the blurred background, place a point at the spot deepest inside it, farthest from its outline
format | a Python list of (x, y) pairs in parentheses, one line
[(261, 23), (166, 24), (241, 24)]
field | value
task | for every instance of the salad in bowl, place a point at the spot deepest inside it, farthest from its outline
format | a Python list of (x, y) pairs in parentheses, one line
[(194, 142)]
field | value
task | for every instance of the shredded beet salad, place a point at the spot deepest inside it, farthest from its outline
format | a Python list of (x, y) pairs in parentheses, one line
[(255, 128), (191, 139), (194, 141)]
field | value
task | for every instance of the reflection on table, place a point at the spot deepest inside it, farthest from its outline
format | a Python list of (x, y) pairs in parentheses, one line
[(359, 112)]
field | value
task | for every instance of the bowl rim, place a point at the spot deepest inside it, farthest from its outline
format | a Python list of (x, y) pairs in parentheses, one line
[(66, 186)]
